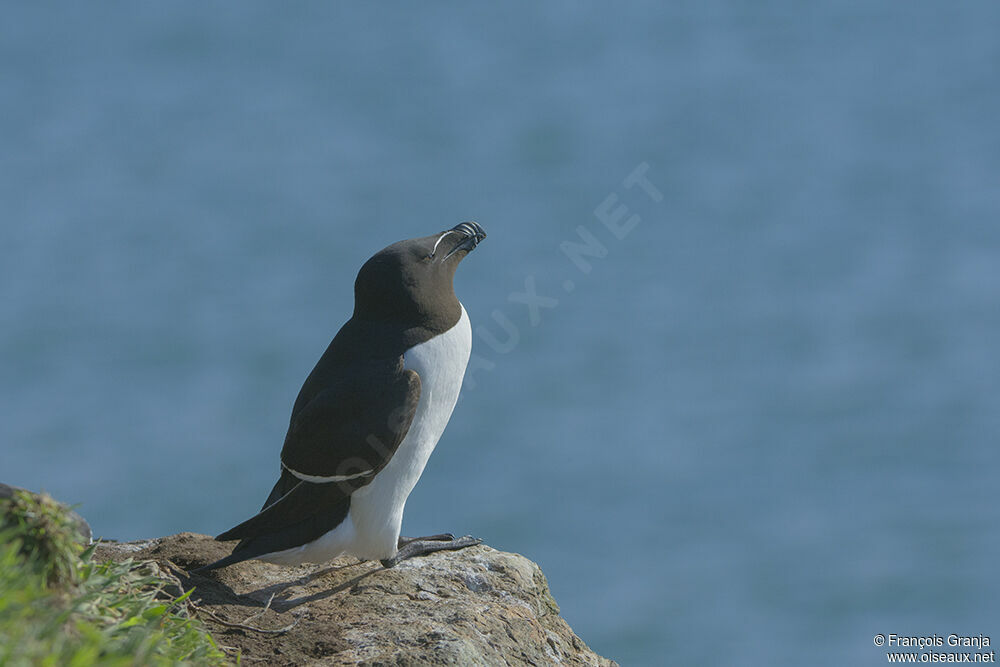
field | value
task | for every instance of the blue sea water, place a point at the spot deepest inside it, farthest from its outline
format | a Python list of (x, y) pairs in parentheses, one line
[(759, 428)]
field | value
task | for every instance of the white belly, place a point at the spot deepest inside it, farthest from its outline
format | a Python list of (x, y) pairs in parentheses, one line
[(371, 529)]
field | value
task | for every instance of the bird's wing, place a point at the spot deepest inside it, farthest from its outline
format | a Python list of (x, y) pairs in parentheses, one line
[(348, 432), (335, 445)]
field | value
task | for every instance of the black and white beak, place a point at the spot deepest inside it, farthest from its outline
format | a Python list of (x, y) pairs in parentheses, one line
[(473, 233)]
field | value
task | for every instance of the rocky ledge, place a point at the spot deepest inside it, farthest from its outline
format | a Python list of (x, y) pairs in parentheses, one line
[(476, 606)]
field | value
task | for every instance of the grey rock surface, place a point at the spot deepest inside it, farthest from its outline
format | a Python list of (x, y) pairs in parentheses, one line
[(476, 606)]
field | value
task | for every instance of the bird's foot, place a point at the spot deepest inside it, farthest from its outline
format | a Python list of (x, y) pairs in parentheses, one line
[(420, 546), (440, 537)]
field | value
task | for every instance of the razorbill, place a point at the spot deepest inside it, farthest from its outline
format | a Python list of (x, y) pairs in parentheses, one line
[(369, 415)]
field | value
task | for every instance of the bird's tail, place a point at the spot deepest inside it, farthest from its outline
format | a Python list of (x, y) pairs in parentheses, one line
[(300, 516)]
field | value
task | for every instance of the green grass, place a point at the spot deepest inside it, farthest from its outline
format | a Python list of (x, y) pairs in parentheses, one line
[(58, 607)]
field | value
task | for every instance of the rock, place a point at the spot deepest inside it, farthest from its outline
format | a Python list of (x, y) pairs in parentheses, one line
[(476, 606)]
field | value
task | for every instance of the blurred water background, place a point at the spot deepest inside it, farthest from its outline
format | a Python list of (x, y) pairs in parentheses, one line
[(761, 428)]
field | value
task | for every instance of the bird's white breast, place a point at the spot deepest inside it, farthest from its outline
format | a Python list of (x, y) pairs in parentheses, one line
[(377, 508)]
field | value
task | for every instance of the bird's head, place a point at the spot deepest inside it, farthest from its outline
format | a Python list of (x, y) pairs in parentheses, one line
[(411, 281)]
